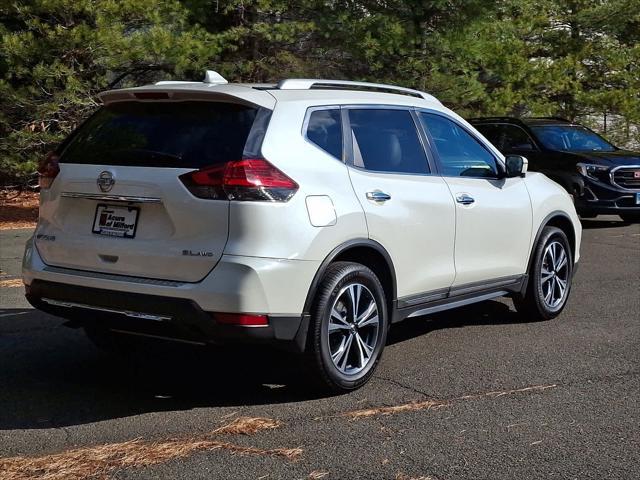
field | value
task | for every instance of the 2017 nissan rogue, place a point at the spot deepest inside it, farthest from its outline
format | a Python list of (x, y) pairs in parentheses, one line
[(311, 214)]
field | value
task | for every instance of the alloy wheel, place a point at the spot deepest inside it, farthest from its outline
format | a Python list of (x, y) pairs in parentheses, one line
[(554, 276), (353, 329)]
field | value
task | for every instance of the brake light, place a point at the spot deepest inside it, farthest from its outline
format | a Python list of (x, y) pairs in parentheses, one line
[(48, 170), (243, 180), (241, 319)]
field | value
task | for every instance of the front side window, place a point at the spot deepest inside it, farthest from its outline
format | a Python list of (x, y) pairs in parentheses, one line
[(325, 131), (386, 140), (460, 154), (571, 138)]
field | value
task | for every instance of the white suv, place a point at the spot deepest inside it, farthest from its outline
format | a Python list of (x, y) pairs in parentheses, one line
[(310, 214)]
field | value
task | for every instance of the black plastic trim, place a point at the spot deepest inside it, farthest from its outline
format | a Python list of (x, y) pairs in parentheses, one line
[(360, 242), (443, 299), (187, 321)]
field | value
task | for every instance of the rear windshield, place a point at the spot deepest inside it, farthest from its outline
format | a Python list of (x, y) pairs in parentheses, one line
[(164, 134)]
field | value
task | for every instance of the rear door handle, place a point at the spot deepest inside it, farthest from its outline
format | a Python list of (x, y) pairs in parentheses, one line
[(465, 199), (378, 196)]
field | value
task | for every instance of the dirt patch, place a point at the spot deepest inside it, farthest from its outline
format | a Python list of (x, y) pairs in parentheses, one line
[(100, 462), (19, 212)]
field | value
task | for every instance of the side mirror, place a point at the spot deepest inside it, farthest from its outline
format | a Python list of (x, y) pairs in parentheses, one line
[(516, 166)]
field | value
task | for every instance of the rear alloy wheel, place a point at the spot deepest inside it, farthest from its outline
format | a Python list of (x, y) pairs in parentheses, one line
[(550, 277), (348, 326), (630, 217)]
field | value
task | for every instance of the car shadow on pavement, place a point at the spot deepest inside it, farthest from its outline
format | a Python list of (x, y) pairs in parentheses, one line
[(485, 313), (592, 224), (52, 376)]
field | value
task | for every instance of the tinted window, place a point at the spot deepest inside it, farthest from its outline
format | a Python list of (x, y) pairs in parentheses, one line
[(181, 134), (571, 138), (325, 130), (387, 141), (491, 133), (460, 154), (515, 138)]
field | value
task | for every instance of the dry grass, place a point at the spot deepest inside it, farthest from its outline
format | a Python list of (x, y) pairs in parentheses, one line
[(21, 212), (99, 462), (435, 404), (10, 283)]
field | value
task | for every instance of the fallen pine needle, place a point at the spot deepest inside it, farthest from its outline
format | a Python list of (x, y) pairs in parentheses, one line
[(11, 283), (98, 462), (434, 404)]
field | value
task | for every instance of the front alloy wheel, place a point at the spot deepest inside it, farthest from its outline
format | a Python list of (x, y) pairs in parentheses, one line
[(554, 274), (550, 276), (348, 328)]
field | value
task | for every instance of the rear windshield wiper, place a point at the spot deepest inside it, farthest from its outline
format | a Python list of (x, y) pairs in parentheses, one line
[(154, 157)]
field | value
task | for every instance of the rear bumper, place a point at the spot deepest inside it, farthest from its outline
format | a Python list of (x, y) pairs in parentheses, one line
[(161, 317), (177, 310)]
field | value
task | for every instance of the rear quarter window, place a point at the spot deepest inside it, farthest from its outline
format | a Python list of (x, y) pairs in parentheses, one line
[(163, 134), (324, 129)]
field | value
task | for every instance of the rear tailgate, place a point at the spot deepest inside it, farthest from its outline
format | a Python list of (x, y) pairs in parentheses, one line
[(118, 206)]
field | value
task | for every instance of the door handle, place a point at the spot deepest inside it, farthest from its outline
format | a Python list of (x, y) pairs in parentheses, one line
[(465, 199), (378, 196)]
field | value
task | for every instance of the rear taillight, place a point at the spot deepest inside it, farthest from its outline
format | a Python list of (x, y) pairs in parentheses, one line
[(48, 170), (243, 180)]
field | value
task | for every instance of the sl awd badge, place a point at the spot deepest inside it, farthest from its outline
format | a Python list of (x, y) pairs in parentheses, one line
[(106, 181), (191, 253)]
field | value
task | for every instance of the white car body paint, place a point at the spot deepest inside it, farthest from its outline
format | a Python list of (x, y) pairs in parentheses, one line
[(262, 257)]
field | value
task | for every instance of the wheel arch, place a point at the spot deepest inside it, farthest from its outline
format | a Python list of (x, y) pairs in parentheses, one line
[(367, 252), (562, 221)]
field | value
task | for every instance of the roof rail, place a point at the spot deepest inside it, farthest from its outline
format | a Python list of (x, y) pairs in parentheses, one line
[(475, 119), (310, 83), (551, 118)]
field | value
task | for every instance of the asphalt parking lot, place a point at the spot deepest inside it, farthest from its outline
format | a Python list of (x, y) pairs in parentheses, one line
[(469, 394)]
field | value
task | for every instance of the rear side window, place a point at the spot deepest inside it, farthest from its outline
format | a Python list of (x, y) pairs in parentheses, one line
[(386, 140), (164, 134), (325, 131)]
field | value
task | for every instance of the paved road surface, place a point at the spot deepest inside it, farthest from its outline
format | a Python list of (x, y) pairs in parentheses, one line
[(581, 419)]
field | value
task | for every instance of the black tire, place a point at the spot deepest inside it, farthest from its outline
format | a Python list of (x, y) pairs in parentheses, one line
[(336, 288), (630, 217), (534, 305)]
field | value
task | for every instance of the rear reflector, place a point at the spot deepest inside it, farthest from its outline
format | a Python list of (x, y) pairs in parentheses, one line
[(242, 319), (244, 180)]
